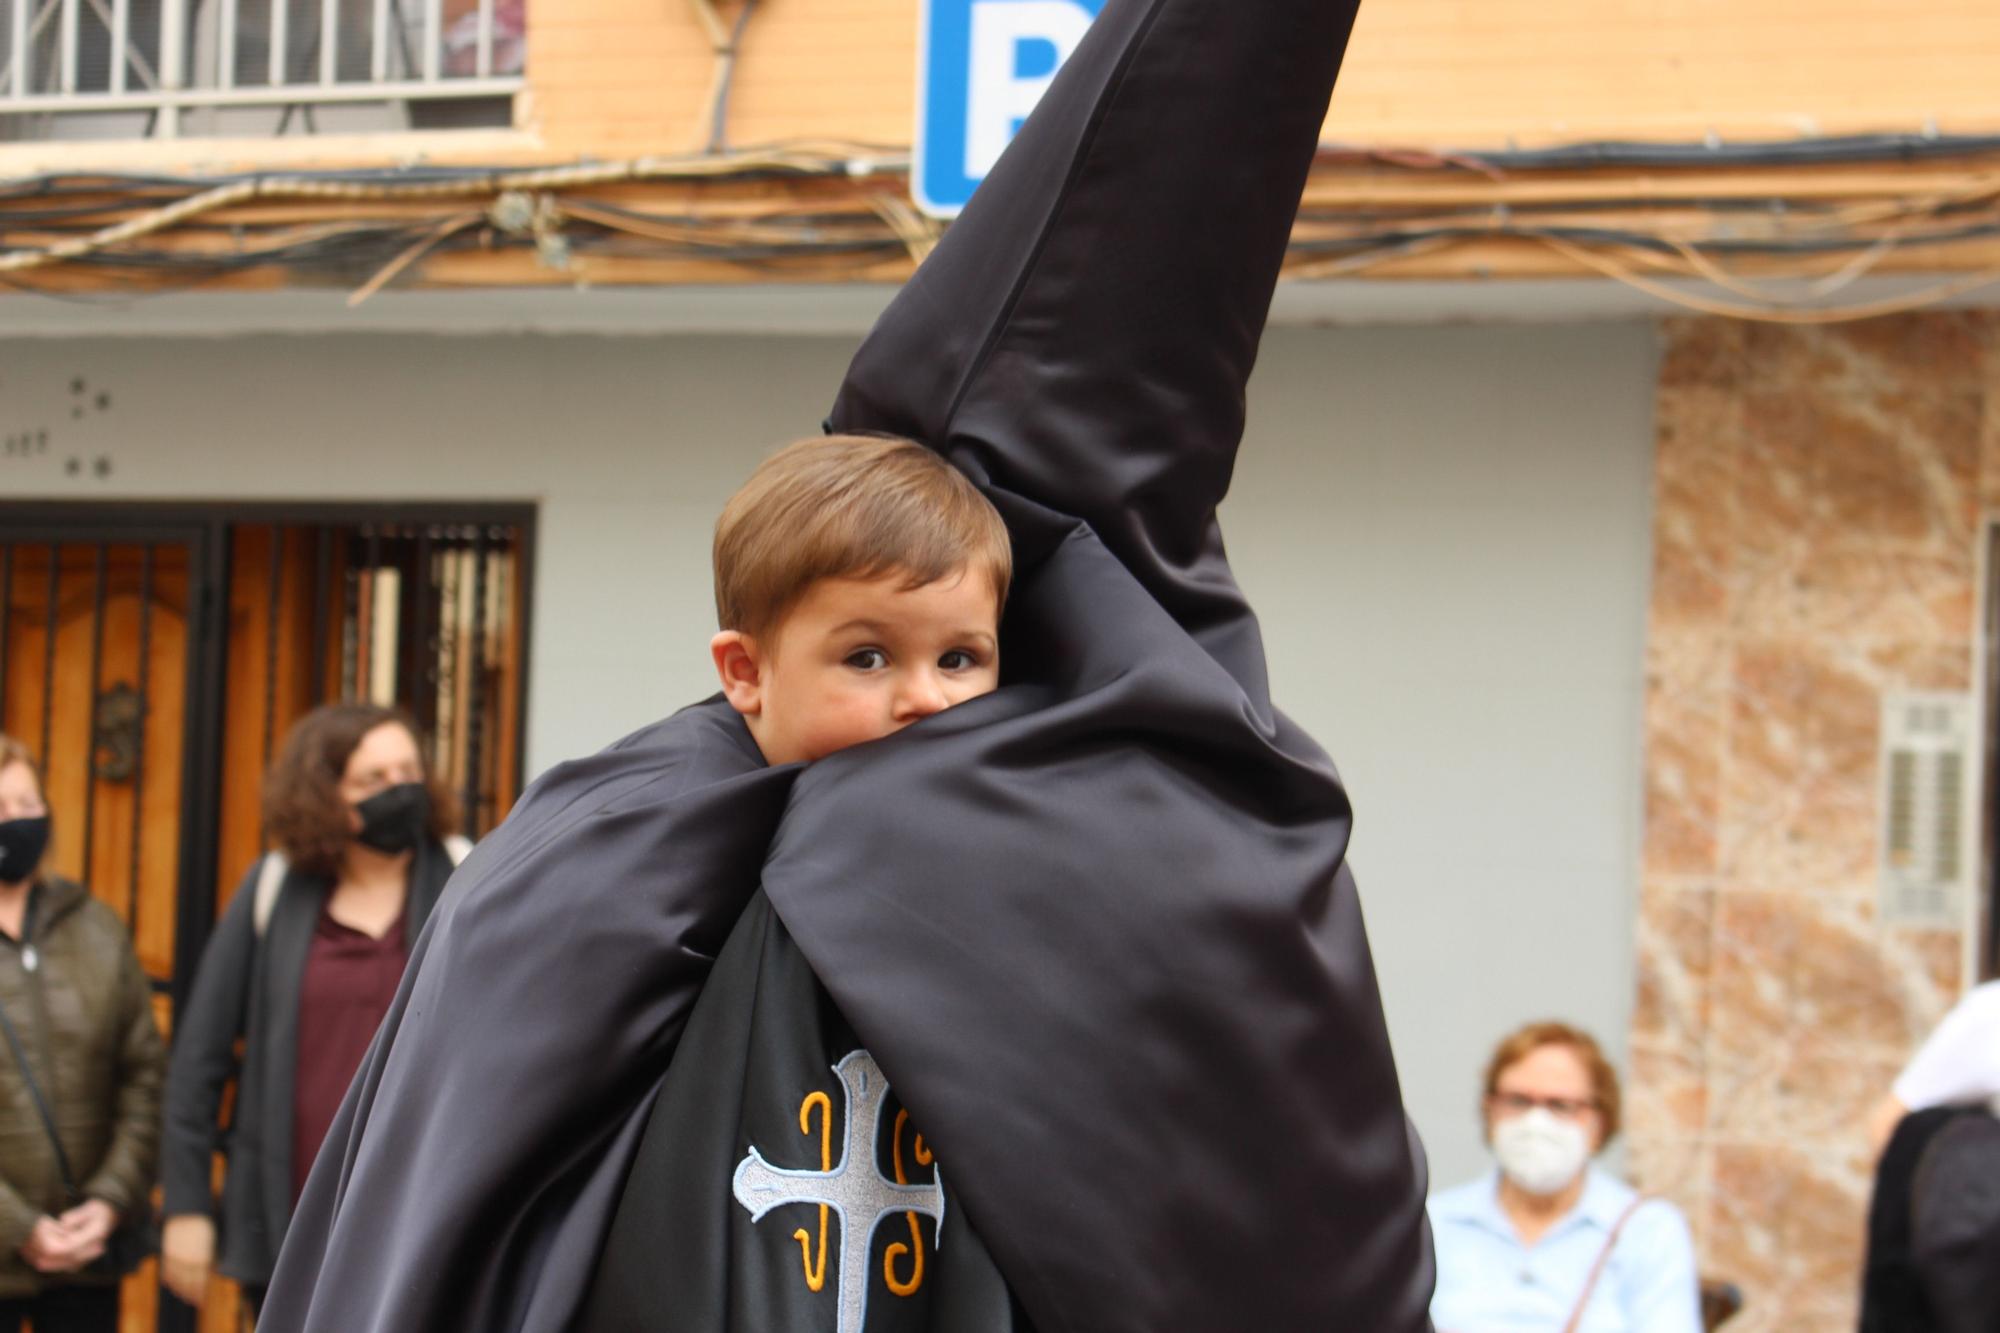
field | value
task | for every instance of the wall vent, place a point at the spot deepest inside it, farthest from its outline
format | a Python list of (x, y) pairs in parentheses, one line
[(1927, 822)]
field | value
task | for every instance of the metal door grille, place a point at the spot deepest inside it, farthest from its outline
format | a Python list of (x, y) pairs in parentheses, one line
[(153, 656), (424, 615), (88, 625)]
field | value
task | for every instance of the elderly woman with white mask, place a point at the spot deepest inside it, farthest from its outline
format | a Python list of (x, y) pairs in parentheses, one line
[(1548, 1243)]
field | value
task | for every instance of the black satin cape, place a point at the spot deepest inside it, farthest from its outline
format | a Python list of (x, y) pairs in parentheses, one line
[(1096, 927), (769, 1065), (467, 1179)]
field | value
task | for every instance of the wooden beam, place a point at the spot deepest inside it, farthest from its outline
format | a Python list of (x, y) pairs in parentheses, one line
[(1462, 224)]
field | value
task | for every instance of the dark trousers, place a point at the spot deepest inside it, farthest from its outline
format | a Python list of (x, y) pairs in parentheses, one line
[(63, 1310)]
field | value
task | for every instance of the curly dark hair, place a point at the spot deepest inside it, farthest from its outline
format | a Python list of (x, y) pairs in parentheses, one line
[(303, 812)]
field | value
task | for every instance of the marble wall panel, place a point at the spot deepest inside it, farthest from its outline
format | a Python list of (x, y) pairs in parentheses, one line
[(1941, 956), (1776, 466), (1851, 590), (1668, 1098), (1814, 1010), (1949, 347), (1821, 495), (1702, 353), (1676, 939), (1675, 1168), (1895, 465), (1694, 507), (1944, 665), (1847, 451), (1799, 789), (1686, 712), (1989, 434), (1753, 996), (1780, 1225)]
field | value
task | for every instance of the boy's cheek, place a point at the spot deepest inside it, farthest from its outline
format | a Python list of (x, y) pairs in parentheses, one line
[(985, 686), (846, 723)]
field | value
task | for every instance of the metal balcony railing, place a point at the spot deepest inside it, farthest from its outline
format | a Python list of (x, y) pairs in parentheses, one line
[(99, 69)]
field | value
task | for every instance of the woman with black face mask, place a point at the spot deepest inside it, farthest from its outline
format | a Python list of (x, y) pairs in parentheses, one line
[(80, 1078), (301, 968)]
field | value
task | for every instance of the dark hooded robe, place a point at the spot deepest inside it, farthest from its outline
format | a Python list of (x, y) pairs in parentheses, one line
[(781, 1182), (1933, 1263), (1093, 932)]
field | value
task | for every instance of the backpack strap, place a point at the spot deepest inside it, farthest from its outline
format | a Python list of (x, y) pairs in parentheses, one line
[(270, 879)]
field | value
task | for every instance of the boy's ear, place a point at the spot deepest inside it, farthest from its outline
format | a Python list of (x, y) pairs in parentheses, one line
[(741, 670)]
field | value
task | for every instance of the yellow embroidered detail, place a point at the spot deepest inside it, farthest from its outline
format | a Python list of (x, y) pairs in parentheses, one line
[(915, 1249), (816, 1274)]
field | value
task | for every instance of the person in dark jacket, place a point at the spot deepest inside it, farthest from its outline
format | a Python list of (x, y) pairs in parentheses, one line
[(82, 1048), (1933, 1260), (301, 968)]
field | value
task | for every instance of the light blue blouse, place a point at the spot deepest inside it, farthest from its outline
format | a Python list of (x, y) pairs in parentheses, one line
[(1488, 1282)]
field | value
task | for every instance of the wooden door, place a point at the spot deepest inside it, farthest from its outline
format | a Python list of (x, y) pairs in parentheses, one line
[(100, 648), (153, 659)]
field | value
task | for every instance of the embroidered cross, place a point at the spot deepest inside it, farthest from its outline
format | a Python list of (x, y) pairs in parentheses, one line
[(855, 1186)]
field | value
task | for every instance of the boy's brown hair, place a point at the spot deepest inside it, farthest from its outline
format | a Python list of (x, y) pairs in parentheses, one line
[(849, 506)]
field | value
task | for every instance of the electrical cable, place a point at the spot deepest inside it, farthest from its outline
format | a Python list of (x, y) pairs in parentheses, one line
[(1715, 152), (1917, 300), (829, 212), (725, 79)]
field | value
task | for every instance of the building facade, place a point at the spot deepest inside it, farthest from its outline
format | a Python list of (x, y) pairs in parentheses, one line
[(1593, 535)]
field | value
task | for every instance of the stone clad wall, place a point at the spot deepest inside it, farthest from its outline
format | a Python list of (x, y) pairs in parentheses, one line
[(1820, 495)]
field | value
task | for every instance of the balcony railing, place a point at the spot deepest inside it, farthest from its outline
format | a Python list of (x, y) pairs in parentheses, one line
[(101, 69)]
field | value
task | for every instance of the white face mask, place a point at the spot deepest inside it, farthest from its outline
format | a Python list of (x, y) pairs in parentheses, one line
[(1539, 1152)]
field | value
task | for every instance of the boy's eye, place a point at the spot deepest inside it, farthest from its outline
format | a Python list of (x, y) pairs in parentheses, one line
[(958, 660), (867, 659)]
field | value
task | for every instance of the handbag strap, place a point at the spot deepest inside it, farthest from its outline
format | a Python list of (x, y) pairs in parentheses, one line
[(41, 1104), (271, 872), (1603, 1259)]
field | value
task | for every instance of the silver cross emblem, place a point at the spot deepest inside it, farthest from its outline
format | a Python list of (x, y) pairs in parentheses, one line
[(855, 1187)]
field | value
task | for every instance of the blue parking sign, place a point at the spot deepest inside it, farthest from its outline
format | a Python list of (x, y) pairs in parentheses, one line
[(984, 65)]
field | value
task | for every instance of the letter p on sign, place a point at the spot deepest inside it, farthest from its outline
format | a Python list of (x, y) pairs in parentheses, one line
[(984, 65)]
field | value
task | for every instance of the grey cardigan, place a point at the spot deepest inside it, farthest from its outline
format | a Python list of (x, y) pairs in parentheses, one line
[(247, 988)]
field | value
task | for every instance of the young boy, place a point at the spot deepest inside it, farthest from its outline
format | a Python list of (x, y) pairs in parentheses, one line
[(858, 583), (1090, 929)]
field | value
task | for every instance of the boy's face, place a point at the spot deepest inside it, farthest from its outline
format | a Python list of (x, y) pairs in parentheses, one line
[(857, 659)]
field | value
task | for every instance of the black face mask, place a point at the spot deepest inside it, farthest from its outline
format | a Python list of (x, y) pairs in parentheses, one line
[(22, 842), (395, 819)]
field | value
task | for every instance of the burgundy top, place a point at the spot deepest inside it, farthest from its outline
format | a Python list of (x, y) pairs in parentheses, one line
[(350, 979)]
